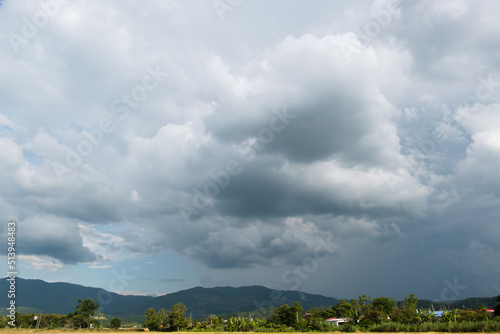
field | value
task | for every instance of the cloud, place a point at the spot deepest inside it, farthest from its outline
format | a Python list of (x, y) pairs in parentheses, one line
[(478, 171), (53, 237), (172, 280), (104, 266), (391, 150), (42, 263)]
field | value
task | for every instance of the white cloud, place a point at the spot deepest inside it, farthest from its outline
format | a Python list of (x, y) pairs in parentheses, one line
[(350, 161), (104, 266), (479, 169), (44, 263)]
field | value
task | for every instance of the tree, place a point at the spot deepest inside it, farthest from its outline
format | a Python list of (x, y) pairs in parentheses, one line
[(152, 322), (365, 303), (374, 316), (384, 305), (356, 308), (343, 310), (409, 311), (281, 315), (496, 310), (482, 314), (410, 302), (296, 311), (162, 318), (214, 320), (424, 316), (26, 321), (176, 317), (81, 321), (86, 307), (451, 315), (290, 316), (115, 323)]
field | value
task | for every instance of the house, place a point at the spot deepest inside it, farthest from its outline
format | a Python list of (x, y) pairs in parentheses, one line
[(337, 321)]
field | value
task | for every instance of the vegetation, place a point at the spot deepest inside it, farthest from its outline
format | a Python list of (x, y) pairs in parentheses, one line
[(497, 307), (361, 315), (173, 320), (83, 315), (364, 314), (115, 323)]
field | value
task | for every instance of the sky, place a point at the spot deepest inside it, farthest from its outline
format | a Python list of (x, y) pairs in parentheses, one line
[(330, 147)]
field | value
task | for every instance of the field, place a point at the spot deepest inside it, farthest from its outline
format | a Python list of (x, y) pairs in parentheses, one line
[(124, 331)]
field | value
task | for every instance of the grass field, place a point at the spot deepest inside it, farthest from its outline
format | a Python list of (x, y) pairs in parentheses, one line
[(122, 331)]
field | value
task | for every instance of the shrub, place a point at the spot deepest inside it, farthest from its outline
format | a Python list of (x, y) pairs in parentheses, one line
[(115, 323)]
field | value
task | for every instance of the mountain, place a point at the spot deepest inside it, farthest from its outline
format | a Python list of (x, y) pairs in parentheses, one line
[(61, 298), (34, 295), (222, 300)]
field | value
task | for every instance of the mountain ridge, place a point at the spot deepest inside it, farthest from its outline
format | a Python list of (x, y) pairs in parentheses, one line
[(61, 298)]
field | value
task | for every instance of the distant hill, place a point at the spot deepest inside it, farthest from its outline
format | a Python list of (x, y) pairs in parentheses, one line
[(222, 300), (60, 298), (467, 304), (471, 303), (34, 295)]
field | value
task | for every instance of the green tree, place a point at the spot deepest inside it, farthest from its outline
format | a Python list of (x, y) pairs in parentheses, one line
[(496, 310), (281, 315), (365, 303), (115, 323), (4, 321), (152, 322), (319, 313), (176, 317), (410, 302), (374, 316), (356, 308), (26, 320), (290, 316), (81, 321), (343, 310), (482, 314), (424, 316), (52, 321), (384, 305), (297, 311), (162, 318), (451, 315), (409, 312), (86, 307), (214, 320), (82, 317)]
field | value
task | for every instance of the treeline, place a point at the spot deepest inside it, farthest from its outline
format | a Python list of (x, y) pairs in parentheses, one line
[(82, 317), (364, 314)]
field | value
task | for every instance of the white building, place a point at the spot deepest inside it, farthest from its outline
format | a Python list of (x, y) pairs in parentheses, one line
[(337, 321)]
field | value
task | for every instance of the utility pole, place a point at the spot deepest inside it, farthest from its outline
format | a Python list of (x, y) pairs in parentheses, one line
[(38, 320)]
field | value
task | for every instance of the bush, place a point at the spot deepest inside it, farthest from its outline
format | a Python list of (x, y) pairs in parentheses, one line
[(115, 323), (81, 321), (365, 323)]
